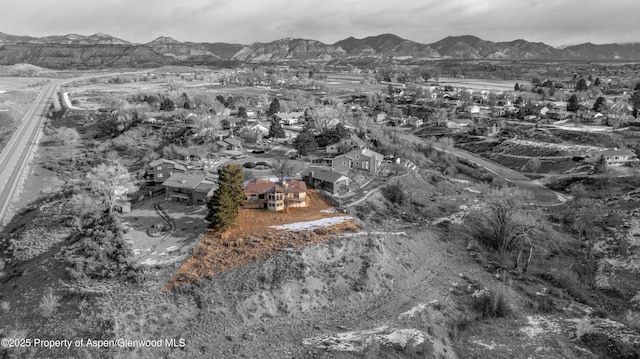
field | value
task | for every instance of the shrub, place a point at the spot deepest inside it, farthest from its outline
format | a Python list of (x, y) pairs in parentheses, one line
[(394, 194), (491, 303), (459, 323), (48, 304), (98, 251)]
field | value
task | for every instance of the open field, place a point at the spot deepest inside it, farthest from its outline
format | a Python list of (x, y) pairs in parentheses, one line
[(477, 84)]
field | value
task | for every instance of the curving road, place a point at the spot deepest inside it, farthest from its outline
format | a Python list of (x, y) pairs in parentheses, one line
[(542, 196), (16, 154)]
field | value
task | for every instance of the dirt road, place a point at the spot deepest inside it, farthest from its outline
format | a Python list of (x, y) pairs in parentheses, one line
[(542, 195)]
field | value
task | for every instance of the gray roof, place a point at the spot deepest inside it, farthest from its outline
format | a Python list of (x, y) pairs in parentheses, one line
[(324, 175), (181, 180), (164, 160), (609, 153)]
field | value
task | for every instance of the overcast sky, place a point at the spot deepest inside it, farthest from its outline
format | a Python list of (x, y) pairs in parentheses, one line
[(555, 22)]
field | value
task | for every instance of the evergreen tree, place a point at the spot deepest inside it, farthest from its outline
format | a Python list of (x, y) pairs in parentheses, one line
[(167, 105), (242, 112), (601, 165), (305, 142), (600, 104), (274, 107), (635, 100), (582, 85), (276, 130), (223, 205), (573, 104), (516, 87)]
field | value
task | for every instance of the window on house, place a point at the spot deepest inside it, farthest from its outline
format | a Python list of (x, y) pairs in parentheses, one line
[(159, 175), (159, 168), (261, 196)]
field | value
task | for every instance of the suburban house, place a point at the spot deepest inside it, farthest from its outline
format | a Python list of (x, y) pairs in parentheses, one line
[(619, 157), (230, 143), (161, 169), (458, 123), (379, 117), (194, 189), (290, 118), (260, 128), (415, 121), (361, 158), (346, 144), (325, 179), (230, 123), (264, 194)]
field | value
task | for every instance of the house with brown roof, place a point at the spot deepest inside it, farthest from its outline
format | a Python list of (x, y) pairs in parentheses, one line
[(194, 189), (161, 169), (362, 158), (345, 144), (261, 193)]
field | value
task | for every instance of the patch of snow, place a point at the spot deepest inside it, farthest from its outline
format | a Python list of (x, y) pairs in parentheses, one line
[(491, 346), (472, 190), (357, 234), (355, 341), (311, 225), (538, 325), (417, 309), (329, 210), (1, 91)]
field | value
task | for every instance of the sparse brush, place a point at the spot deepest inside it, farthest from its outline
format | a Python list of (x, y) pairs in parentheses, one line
[(492, 302), (48, 304), (459, 323)]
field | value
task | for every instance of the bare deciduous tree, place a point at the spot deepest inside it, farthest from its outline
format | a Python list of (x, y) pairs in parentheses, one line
[(110, 183)]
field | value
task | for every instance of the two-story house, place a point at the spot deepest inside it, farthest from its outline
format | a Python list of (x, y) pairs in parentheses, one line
[(194, 189), (361, 158), (275, 196), (161, 169), (619, 157)]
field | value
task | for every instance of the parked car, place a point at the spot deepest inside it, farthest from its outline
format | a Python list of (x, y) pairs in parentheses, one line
[(258, 151), (262, 165), (249, 165)]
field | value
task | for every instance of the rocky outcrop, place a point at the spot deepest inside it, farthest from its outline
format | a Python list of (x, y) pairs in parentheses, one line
[(289, 49)]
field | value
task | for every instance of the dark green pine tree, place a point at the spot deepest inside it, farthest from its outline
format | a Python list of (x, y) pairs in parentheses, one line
[(573, 104), (601, 165), (305, 142), (276, 130), (274, 107), (223, 205)]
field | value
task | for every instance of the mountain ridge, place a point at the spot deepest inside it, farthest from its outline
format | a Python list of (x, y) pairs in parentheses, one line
[(104, 50)]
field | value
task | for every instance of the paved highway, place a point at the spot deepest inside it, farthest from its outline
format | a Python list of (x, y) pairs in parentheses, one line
[(16, 154)]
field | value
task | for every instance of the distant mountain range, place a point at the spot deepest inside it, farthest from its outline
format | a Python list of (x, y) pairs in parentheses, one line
[(103, 51)]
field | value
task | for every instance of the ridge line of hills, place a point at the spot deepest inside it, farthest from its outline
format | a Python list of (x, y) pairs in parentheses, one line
[(103, 50)]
